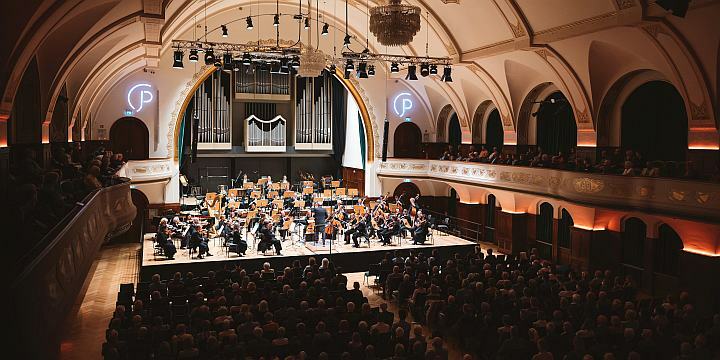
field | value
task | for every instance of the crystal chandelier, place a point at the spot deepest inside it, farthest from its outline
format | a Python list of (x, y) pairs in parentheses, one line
[(395, 24), (312, 62)]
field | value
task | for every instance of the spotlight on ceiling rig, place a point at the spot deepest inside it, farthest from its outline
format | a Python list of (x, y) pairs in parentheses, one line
[(424, 69), (178, 59), (276, 20), (411, 75), (193, 57), (362, 70), (249, 23), (209, 56), (394, 68), (224, 30), (325, 29), (346, 41), (447, 74), (371, 70), (433, 69)]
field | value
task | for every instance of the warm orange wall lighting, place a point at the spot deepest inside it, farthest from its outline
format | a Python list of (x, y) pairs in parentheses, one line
[(701, 252), (589, 228), (703, 147)]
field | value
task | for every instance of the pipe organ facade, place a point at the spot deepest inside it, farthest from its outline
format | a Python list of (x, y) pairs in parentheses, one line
[(313, 113), (213, 112)]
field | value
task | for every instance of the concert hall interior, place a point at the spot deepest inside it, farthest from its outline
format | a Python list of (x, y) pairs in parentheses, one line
[(360, 179)]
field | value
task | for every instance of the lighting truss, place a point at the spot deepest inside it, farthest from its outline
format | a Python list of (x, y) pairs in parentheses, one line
[(274, 51), (390, 58)]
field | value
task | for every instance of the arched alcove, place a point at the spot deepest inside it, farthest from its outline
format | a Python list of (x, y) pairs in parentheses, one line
[(633, 242), (565, 223), (454, 131), (667, 251), (556, 130), (407, 141), (489, 235), (479, 121), (406, 190), (130, 136), (544, 231), (494, 134), (443, 122), (654, 114)]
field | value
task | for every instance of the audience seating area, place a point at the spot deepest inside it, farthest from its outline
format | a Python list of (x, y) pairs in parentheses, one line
[(490, 306), (40, 199), (619, 162)]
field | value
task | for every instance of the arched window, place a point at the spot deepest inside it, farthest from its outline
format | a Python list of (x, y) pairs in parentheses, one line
[(633, 242), (544, 230), (407, 141), (454, 132), (490, 219), (655, 114), (494, 136), (667, 251), (564, 225), (556, 129)]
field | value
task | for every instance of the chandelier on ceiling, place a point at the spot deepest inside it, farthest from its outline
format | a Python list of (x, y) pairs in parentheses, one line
[(312, 62), (395, 24)]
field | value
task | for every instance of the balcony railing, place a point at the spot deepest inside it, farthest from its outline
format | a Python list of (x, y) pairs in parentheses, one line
[(695, 199), (46, 286)]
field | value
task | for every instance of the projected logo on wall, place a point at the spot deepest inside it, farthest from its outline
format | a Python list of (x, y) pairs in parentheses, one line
[(138, 96), (402, 104)]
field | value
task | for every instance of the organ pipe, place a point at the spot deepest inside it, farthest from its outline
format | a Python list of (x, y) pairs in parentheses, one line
[(212, 103)]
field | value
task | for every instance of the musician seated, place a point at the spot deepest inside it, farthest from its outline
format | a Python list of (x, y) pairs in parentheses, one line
[(267, 238), (392, 228), (169, 249), (164, 241), (358, 230), (199, 242), (235, 242)]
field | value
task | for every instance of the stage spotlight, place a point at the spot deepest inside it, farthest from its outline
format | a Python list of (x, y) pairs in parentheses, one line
[(224, 31), (346, 42), (294, 63), (349, 65), (263, 66), (246, 59), (307, 23), (236, 65), (249, 23), (275, 68), (394, 68), (193, 57), (325, 29), (227, 60), (362, 70), (447, 74), (333, 68), (433, 69), (371, 70), (209, 56), (346, 75), (178, 59), (284, 68), (411, 75), (276, 20), (424, 69)]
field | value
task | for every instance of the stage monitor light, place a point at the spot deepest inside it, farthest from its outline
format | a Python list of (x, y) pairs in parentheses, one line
[(411, 74), (178, 59)]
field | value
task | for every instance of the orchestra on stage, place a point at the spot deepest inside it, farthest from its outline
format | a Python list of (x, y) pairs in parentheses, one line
[(265, 215)]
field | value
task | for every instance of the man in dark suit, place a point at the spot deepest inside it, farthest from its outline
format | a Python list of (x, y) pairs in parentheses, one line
[(200, 242), (267, 238), (320, 214)]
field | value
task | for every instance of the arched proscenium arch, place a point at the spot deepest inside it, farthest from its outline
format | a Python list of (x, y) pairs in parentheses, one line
[(479, 121), (201, 76)]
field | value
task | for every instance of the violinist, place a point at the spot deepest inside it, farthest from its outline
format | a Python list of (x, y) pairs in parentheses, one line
[(358, 229), (267, 238), (163, 239), (198, 241), (237, 244), (392, 227)]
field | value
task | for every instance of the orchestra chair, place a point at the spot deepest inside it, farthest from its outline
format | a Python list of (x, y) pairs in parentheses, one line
[(373, 270), (430, 238), (335, 183)]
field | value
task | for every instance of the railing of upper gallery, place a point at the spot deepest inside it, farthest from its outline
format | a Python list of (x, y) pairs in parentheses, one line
[(313, 113), (44, 286), (683, 198), (265, 135), (213, 112)]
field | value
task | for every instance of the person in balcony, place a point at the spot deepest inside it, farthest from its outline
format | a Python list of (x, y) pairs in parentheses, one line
[(483, 155), (629, 170), (494, 155), (91, 180), (449, 154)]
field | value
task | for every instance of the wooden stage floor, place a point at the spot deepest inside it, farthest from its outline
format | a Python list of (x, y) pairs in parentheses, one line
[(347, 256)]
